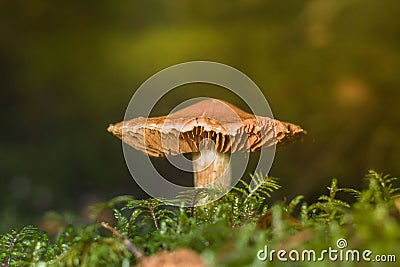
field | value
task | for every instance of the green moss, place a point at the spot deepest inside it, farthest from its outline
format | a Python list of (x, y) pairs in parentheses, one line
[(228, 232)]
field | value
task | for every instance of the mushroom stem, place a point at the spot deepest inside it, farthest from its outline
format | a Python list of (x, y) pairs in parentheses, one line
[(210, 165)]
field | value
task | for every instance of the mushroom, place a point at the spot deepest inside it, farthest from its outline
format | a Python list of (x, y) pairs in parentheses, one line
[(211, 130)]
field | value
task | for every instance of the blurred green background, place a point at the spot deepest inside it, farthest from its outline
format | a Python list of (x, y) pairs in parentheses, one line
[(68, 69)]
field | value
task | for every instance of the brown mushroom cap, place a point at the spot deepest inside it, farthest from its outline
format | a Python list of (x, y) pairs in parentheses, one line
[(230, 128)]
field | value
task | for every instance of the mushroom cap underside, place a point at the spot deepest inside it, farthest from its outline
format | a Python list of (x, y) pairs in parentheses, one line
[(209, 122)]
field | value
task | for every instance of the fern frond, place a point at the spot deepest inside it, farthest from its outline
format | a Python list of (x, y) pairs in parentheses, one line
[(193, 197), (13, 246), (243, 191), (381, 186), (261, 186)]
